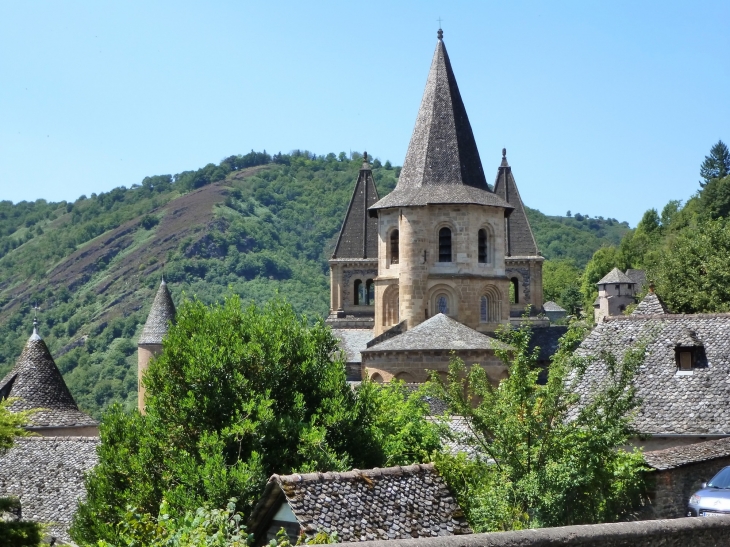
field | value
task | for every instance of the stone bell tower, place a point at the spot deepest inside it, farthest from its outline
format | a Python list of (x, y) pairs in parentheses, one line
[(442, 231)]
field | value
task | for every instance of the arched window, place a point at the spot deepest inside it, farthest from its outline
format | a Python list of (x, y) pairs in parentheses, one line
[(484, 309), (514, 291), (390, 306), (369, 293), (394, 247), (483, 246), (359, 292), (443, 305), (377, 378), (444, 245)]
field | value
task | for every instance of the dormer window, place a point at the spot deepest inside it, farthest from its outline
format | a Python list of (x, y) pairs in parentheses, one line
[(689, 353), (684, 359)]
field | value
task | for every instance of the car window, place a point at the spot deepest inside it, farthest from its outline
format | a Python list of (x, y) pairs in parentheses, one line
[(721, 480)]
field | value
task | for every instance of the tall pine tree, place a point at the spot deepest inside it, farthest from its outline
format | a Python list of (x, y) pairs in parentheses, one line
[(717, 164)]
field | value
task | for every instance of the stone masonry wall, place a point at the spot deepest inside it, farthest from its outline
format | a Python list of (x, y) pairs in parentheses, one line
[(697, 532), (413, 366), (673, 487)]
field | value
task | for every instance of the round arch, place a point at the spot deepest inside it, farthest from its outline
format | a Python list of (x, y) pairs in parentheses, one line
[(440, 293)]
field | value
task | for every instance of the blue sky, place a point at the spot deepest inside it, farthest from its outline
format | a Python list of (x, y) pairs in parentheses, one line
[(604, 108)]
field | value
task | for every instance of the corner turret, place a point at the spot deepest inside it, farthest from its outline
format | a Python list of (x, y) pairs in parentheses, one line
[(155, 328)]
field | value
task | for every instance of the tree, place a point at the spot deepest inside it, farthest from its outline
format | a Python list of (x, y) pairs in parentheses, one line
[(557, 276), (236, 396), (547, 458), (717, 164), (15, 533), (694, 273), (715, 198)]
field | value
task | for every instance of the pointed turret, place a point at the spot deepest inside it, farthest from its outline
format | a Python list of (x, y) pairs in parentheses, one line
[(651, 304), (442, 164), (38, 384), (162, 313), (359, 234), (519, 238)]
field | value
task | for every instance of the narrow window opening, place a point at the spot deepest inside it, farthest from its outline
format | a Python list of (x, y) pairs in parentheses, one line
[(394, 247), (484, 309), (359, 292), (369, 293), (514, 291), (482, 246), (444, 245), (442, 304)]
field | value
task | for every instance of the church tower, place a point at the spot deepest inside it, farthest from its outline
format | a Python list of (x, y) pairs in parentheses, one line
[(523, 262), (442, 231), (155, 328), (354, 264)]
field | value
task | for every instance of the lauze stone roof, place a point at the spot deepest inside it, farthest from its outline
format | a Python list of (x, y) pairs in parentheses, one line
[(651, 304), (519, 238), (439, 332), (38, 384), (161, 315), (442, 164), (359, 234), (615, 276), (677, 456), (674, 402), (46, 474), (391, 503)]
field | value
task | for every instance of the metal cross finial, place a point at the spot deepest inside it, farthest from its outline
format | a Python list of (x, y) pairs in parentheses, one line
[(35, 308), (439, 20)]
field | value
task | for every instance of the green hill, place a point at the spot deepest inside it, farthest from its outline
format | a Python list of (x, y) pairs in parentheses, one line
[(254, 224)]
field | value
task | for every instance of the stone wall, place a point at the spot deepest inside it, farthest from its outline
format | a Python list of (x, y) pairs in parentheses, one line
[(697, 532), (413, 366), (672, 488)]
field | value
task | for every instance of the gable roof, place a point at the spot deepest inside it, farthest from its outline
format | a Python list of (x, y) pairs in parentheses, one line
[(677, 456), (162, 313), (519, 240), (359, 234), (552, 306), (439, 332), (638, 277), (352, 342), (442, 164), (390, 503), (672, 402), (615, 276), (651, 304), (47, 475), (37, 382)]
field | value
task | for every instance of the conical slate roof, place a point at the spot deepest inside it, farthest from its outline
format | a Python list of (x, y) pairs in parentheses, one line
[(359, 233), (442, 164), (615, 276), (38, 383), (161, 315), (519, 241), (650, 305)]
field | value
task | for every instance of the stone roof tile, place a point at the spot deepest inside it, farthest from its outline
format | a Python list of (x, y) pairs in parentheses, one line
[(162, 313), (359, 234), (519, 240), (651, 304), (38, 384), (677, 456), (439, 332), (442, 164), (390, 503), (552, 306), (673, 402), (352, 342), (615, 276), (47, 475)]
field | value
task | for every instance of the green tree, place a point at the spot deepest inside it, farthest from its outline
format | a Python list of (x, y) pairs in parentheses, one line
[(547, 457), (15, 533), (717, 164), (694, 273), (557, 277), (237, 395), (715, 198)]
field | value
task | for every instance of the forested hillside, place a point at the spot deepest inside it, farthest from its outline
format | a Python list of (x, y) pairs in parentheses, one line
[(254, 225)]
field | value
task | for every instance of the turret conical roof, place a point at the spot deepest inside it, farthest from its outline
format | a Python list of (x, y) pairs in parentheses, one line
[(442, 164), (359, 233), (162, 313), (38, 384), (519, 239)]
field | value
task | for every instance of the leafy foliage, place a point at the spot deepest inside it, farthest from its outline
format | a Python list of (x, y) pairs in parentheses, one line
[(237, 395), (717, 164), (548, 458), (561, 284)]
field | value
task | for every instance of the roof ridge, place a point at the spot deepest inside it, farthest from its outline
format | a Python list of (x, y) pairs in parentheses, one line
[(672, 316), (318, 476)]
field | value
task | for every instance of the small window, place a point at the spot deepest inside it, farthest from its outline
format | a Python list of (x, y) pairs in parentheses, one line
[(359, 292), (369, 293), (685, 359), (394, 247), (482, 246), (514, 291), (484, 309), (442, 304), (444, 245), (618, 286)]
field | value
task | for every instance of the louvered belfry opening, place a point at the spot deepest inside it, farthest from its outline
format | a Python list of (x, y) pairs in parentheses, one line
[(444, 245)]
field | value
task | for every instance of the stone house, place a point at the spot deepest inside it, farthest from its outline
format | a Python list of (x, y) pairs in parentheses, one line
[(389, 503), (616, 291)]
